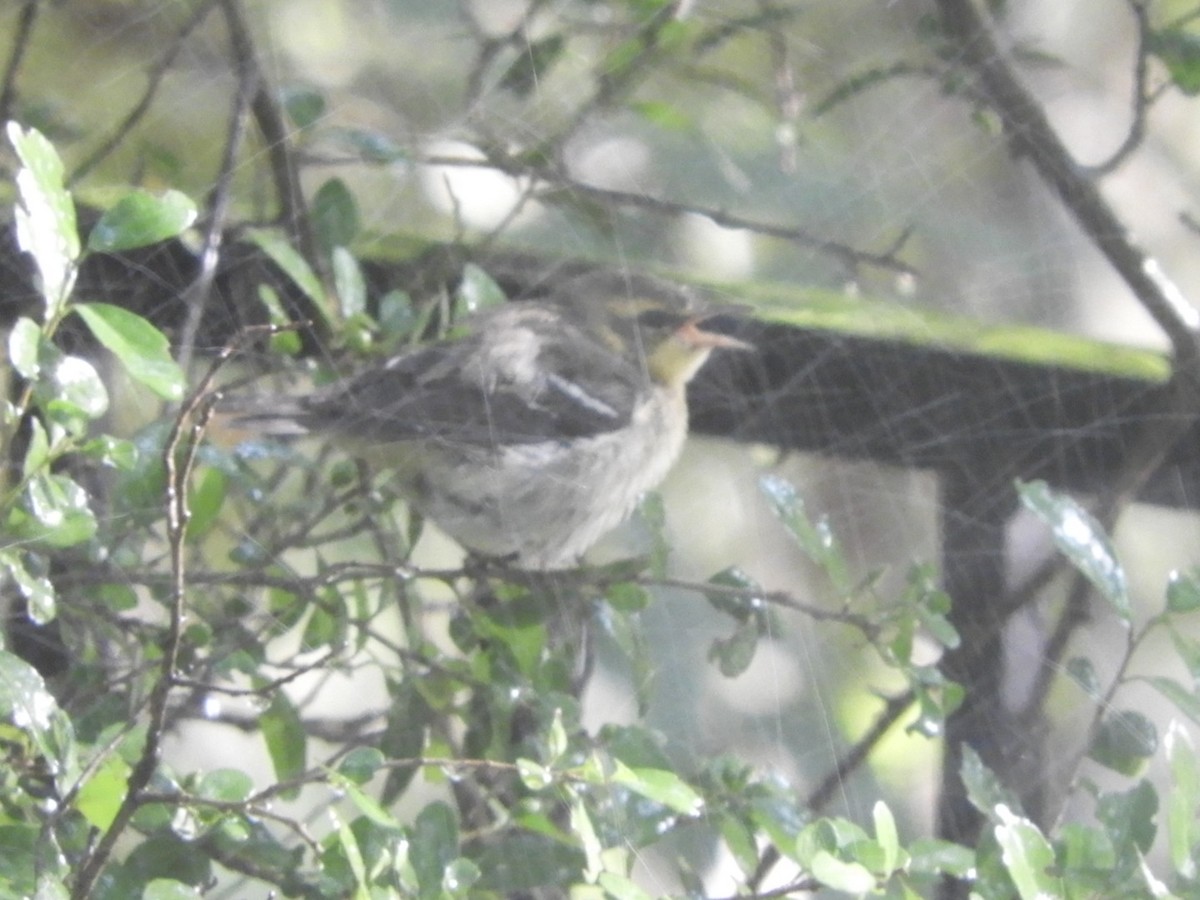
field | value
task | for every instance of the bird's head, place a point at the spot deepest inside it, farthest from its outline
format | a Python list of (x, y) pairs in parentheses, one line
[(660, 327)]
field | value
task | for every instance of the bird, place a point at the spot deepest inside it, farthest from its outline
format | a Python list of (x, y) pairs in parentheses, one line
[(535, 427)]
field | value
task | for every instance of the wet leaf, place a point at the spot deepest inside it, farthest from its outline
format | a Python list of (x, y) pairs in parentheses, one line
[(1082, 541)]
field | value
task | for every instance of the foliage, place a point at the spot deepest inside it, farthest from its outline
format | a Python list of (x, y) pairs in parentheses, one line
[(525, 796), (496, 711)]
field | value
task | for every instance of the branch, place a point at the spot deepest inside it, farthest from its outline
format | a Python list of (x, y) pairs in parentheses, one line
[(276, 136), (846, 764), (8, 92), (558, 181), (154, 79), (200, 290), (197, 409), (1031, 135), (1141, 97)]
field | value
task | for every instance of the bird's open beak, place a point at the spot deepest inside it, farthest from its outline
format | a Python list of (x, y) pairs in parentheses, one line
[(694, 334)]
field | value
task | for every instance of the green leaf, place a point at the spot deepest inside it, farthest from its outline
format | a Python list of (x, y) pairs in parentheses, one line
[(744, 607), (931, 604), (557, 740), (937, 857), (1179, 50), (512, 862), (169, 889), (396, 318), (361, 764), (434, 844), (584, 831), (335, 215), (116, 453), (635, 746), (815, 538), (1129, 818), (365, 804), (1188, 649), (54, 510), (275, 245), (24, 342), (167, 856), (117, 597), (35, 588), (1183, 591), (27, 705), (73, 381), (303, 105), (1083, 673), (1183, 801), (739, 838), (1082, 541), (460, 876), (627, 597), (1027, 856), (104, 792), (476, 291), (1124, 742), (531, 65), (372, 146), (351, 287), (661, 786), (352, 854), (37, 454), (620, 887), (140, 219), (652, 516), (403, 736), (1185, 701), (984, 789), (851, 877), (887, 836), (525, 638), (284, 734), (45, 216), (534, 775), (664, 115), (226, 785), (734, 654), (205, 500), (142, 349), (1084, 847), (287, 343)]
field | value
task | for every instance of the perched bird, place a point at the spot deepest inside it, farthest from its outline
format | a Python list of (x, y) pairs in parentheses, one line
[(532, 431)]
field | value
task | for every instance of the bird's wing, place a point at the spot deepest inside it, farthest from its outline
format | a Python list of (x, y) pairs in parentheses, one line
[(533, 379)]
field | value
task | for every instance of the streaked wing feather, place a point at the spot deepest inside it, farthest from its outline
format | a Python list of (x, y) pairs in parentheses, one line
[(430, 392)]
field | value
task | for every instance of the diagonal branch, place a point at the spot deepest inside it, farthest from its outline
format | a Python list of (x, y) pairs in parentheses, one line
[(1031, 135)]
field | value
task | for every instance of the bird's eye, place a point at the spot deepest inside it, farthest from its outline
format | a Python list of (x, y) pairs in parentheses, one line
[(658, 318)]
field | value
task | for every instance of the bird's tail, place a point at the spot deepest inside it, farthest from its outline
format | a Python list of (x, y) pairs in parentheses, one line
[(272, 414)]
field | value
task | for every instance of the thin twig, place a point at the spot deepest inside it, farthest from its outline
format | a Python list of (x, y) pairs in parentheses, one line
[(1141, 97), (848, 256), (846, 765), (197, 295), (554, 182), (276, 136), (154, 81), (775, 598), (1031, 135), (615, 84), (21, 41), (197, 409)]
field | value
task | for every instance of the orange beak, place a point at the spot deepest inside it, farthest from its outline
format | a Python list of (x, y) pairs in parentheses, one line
[(693, 334)]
